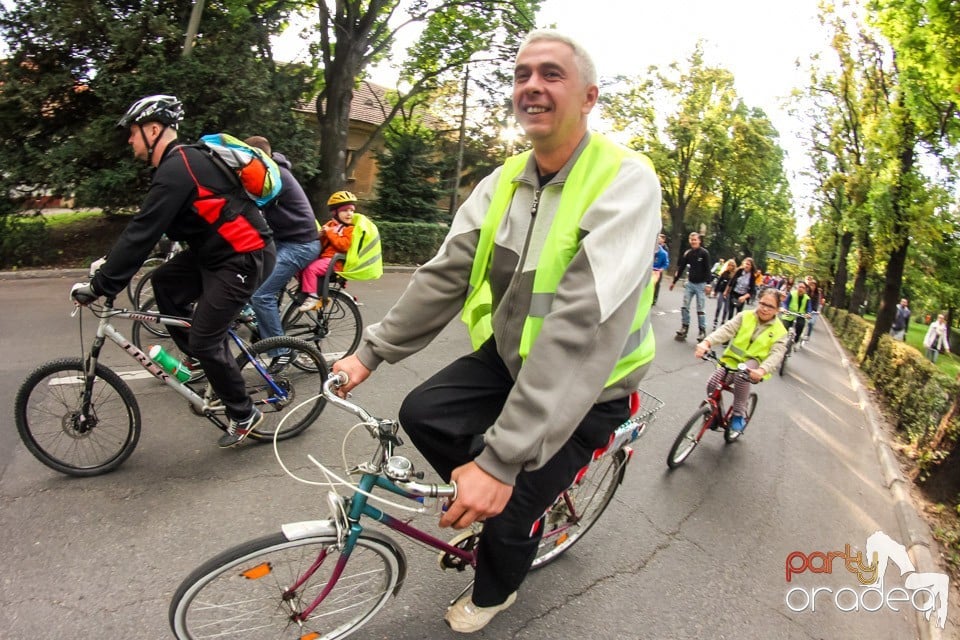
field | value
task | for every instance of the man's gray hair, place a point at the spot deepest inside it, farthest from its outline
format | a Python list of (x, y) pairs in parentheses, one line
[(588, 71)]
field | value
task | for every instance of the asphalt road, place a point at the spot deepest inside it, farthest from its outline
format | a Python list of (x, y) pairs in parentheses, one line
[(699, 552)]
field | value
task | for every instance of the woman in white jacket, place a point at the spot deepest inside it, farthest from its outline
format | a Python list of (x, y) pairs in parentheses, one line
[(937, 338)]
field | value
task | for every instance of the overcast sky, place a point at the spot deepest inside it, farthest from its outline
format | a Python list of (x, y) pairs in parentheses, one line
[(759, 41)]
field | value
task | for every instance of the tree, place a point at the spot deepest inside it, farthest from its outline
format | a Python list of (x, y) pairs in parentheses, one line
[(356, 33), (410, 176), (718, 161), (74, 68)]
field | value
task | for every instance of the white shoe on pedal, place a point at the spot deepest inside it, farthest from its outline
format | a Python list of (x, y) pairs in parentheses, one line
[(465, 617)]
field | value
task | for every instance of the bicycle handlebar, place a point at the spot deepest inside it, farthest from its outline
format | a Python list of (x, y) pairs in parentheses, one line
[(742, 371), (397, 468), (787, 312)]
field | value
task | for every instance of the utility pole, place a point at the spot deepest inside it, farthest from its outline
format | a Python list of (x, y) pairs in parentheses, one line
[(193, 27)]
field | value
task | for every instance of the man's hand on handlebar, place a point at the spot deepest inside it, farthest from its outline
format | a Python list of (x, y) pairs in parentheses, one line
[(82, 293), (479, 496), (356, 372)]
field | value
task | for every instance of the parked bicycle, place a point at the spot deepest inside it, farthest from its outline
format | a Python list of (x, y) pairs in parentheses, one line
[(327, 578), (711, 415), (79, 417), (791, 336)]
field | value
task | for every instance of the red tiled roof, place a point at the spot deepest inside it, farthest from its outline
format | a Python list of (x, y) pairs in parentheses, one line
[(369, 104)]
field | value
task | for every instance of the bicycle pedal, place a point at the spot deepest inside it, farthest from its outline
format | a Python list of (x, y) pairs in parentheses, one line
[(466, 540)]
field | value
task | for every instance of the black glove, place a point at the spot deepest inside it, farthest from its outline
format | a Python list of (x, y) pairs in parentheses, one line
[(83, 293)]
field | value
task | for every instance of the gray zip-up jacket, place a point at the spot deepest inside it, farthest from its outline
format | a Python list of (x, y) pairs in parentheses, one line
[(583, 335)]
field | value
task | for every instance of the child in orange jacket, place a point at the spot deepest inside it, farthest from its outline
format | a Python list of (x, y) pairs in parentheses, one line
[(335, 237)]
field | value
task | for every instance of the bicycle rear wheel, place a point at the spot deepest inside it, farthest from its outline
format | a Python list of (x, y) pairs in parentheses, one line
[(689, 437), (334, 330), (302, 379), (247, 592), (579, 507), (53, 426)]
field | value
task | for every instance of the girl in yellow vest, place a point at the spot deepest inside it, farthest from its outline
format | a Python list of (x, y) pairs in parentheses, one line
[(756, 338)]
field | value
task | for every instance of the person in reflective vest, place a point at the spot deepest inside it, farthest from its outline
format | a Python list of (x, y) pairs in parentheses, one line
[(549, 264), (756, 338)]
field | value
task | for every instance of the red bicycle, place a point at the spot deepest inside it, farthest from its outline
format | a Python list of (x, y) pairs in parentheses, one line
[(711, 415)]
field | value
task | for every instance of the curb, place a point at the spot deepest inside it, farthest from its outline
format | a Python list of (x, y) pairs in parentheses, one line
[(914, 531), (81, 274)]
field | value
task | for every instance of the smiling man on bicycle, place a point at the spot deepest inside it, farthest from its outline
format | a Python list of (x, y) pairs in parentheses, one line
[(758, 339), (229, 251), (556, 293)]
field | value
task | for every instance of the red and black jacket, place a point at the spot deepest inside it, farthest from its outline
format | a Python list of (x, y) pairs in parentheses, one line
[(194, 201)]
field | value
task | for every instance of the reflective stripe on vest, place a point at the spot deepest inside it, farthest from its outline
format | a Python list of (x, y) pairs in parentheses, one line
[(742, 349), (592, 173)]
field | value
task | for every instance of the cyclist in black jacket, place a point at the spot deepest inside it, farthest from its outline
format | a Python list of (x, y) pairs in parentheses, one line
[(229, 250)]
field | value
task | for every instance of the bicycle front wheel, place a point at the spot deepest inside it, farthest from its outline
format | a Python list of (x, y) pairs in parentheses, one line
[(579, 507), (334, 330), (300, 380), (786, 356), (252, 591), (689, 437), (59, 433), (139, 288)]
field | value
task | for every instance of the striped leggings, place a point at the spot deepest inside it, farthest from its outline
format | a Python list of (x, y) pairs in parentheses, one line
[(741, 387)]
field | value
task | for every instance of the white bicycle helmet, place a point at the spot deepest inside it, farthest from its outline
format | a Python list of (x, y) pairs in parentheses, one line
[(167, 110)]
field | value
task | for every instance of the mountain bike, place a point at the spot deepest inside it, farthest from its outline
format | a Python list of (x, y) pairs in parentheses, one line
[(79, 417), (327, 578), (711, 415), (791, 336)]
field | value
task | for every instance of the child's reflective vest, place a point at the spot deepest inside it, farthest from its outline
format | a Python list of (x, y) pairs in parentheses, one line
[(742, 349), (593, 172), (364, 257)]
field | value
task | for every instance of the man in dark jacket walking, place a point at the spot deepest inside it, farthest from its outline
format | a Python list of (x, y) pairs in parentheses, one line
[(295, 233), (698, 260), (229, 249)]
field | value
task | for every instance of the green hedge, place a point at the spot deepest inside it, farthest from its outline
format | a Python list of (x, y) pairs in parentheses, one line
[(410, 242), (24, 242), (916, 391)]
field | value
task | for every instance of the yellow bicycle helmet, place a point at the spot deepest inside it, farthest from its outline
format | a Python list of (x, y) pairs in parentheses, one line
[(341, 198)]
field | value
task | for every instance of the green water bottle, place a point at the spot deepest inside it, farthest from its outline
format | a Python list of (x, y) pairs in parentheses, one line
[(168, 363)]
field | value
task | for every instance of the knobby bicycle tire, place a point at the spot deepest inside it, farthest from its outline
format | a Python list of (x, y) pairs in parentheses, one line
[(689, 437), (49, 421), (244, 591), (334, 330), (303, 378), (589, 497), (729, 434)]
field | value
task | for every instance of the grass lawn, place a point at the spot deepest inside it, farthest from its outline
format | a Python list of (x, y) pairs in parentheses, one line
[(947, 362)]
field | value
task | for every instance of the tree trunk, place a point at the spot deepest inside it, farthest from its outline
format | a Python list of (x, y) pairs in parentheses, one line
[(678, 234), (838, 296), (897, 260)]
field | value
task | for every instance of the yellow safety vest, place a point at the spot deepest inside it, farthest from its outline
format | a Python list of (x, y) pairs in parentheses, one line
[(742, 349), (592, 173), (798, 304), (364, 259)]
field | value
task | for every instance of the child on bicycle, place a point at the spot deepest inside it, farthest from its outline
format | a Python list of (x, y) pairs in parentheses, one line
[(756, 338), (797, 301), (335, 237)]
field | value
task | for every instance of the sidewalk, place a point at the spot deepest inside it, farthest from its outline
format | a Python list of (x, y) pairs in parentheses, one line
[(914, 530)]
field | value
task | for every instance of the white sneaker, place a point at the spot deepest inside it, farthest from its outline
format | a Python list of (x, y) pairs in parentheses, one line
[(311, 303), (465, 617)]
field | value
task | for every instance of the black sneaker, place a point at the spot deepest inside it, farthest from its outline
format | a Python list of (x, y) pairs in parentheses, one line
[(681, 334), (238, 430), (701, 335), (279, 363)]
